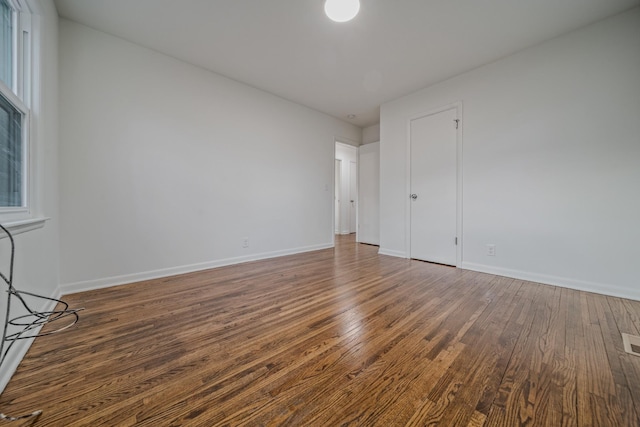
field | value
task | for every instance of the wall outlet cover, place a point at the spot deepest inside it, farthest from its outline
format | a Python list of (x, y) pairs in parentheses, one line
[(491, 250)]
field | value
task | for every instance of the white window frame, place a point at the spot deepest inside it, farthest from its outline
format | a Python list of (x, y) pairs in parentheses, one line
[(22, 51), (13, 212), (23, 218)]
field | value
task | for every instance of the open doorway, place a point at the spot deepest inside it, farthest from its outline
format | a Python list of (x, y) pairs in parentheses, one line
[(346, 188)]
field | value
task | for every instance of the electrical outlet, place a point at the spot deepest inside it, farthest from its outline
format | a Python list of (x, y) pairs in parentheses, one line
[(245, 242), (491, 250)]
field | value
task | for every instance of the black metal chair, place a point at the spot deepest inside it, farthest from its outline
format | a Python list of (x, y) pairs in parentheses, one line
[(27, 326)]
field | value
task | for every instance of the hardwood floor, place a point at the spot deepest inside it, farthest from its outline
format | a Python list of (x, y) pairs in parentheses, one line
[(332, 338)]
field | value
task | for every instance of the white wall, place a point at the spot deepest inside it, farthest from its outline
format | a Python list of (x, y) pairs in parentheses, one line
[(166, 167), (551, 155), (369, 193), (36, 261), (346, 154), (371, 134)]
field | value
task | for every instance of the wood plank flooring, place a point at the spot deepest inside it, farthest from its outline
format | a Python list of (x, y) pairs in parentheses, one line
[(339, 337)]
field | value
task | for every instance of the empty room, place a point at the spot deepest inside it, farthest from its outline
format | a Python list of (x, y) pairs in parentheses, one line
[(320, 213)]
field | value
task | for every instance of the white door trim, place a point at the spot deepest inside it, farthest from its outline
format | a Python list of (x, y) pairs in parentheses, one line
[(458, 107)]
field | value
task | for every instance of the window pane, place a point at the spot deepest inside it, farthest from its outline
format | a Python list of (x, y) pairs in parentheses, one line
[(6, 43), (11, 155)]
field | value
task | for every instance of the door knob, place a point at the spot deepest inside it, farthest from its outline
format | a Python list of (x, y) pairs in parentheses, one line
[(414, 196)]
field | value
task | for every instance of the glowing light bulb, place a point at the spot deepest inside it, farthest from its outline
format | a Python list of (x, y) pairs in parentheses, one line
[(341, 10)]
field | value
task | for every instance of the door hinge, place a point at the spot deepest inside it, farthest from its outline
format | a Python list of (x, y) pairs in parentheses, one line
[(456, 239), (457, 122)]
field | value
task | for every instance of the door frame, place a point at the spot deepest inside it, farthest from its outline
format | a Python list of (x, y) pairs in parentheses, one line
[(457, 105)]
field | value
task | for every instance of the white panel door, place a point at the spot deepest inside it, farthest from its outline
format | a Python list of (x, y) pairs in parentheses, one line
[(353, 196), (369, 193), (337, 186), (434, 187)]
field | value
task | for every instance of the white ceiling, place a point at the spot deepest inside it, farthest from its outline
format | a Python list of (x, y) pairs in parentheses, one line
[(291, 49)]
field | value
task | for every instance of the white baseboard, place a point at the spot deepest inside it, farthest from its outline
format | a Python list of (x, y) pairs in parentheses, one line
[(389, 252), (107, 282), (20, 348), (565, 282)]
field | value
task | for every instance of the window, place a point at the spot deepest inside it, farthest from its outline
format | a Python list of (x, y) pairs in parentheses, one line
[(6, 42), (14, 113), (12, 162)]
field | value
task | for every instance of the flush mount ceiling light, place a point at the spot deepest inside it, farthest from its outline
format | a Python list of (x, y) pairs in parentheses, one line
[(341, 10)]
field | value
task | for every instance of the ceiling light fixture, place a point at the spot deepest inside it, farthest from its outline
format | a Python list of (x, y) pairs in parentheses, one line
[(341, 10)]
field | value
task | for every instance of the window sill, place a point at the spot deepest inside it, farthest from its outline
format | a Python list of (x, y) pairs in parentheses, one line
[(22, 226)]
